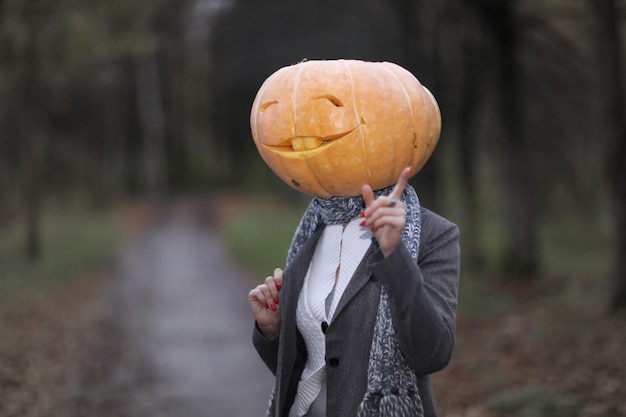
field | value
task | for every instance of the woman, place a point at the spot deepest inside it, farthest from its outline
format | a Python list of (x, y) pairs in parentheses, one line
[(365, 309)]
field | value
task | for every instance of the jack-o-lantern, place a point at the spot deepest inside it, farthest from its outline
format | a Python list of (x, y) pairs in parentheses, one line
[(326, 127)]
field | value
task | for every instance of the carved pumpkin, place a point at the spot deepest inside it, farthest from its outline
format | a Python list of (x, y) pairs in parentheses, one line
[(325, 127)]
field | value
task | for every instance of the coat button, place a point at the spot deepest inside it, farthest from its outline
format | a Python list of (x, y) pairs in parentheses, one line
[(324, 327), (334, 362)]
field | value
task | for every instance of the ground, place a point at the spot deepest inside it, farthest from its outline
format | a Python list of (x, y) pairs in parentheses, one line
[(526, 363), (156, 335)]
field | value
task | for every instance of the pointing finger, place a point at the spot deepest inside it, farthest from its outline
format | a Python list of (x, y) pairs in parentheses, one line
[(403, 179), (368, 195)]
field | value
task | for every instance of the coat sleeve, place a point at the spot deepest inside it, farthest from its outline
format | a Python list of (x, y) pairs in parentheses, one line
[(423, 296), (266, 348)]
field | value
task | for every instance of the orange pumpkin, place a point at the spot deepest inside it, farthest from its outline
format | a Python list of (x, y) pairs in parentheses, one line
[(325, 127)]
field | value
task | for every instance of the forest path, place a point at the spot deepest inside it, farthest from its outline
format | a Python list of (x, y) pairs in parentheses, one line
[(179, 330)]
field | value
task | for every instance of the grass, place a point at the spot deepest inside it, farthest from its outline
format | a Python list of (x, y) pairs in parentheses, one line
[(260, 235), (576, 246), (75, 242), (535, 401)]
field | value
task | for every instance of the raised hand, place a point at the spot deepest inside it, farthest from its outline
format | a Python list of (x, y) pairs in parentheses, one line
[(386, 215), (264, 304)]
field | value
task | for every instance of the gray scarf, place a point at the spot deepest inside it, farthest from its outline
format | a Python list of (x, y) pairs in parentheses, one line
[(391, 384)]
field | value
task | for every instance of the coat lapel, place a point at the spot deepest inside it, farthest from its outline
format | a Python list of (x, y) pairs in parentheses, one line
[(359, 279), (288, 300), (295, 274)]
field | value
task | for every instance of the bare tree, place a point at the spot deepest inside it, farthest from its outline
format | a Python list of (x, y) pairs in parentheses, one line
[(519, 197), (30, 95), (462, 76), (151, 119)]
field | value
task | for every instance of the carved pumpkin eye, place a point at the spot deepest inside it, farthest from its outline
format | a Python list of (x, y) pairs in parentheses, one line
[(334, 100), (264, 106)]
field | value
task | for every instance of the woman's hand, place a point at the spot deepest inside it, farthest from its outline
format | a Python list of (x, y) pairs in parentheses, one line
[(264, 303), (386, 215)]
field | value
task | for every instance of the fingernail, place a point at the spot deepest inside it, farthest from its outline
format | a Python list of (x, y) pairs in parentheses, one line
[(362, 223), (278, 287), (276, 299), (363, 214), (273, 307), (267, 305)]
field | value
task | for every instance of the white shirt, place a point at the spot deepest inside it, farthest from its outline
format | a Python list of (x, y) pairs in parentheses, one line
[(339, 250)]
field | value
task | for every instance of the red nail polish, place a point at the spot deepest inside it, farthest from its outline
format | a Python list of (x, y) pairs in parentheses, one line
[(278, 287), (273, 307), (267, 305), (362, 223), (276, 299), (363, 214)]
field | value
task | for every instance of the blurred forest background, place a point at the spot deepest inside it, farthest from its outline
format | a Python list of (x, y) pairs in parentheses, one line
[(105, 103)]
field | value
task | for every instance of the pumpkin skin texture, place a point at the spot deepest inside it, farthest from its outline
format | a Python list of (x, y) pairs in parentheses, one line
[(325, 127)]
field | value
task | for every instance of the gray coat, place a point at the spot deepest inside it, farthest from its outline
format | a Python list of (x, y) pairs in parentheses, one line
[(423, 300)]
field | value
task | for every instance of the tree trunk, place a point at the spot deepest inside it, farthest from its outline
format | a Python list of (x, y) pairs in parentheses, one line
[(31, 93), (613, 113), (519, 199), (152, 123), (468, 158), (617, 181), (32, 220)]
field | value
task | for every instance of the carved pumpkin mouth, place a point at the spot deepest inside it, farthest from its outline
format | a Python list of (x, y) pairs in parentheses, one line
[(300, 147)]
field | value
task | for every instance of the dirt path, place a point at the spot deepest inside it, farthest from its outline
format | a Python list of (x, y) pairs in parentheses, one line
[(178, 332)]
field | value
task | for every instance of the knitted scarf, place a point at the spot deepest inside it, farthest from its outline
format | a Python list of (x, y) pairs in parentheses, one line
[(391, 384)]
